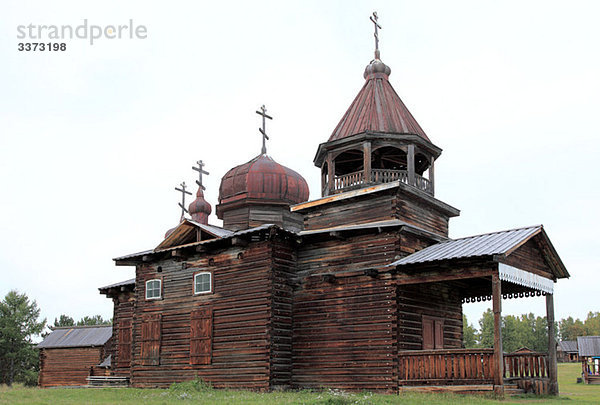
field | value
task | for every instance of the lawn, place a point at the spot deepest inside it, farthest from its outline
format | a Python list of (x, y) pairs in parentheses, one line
[(571, 393)]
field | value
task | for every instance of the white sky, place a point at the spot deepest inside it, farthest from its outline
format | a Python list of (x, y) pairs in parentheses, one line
[(93, 139)]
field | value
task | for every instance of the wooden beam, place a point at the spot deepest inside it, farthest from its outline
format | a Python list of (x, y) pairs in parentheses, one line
[(237, 241), (432, 175), (330, 174), (498, 354), (411, 164), (177, 254), (201, 249), (367, 161), (432, 277), (552, 367)]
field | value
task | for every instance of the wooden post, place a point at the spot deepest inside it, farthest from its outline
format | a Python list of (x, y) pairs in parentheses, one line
[(367, 162), (498, 354), (411, 164), (552, 367), (330, 174), (431, 175), (323, 180)]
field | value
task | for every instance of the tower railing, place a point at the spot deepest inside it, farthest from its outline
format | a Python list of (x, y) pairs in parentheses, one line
[(355, 180)]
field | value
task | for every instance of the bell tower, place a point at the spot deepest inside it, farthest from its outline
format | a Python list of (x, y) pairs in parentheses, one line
[(377, 140)]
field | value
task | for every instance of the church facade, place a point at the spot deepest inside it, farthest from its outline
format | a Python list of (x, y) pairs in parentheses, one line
[(360, 289)]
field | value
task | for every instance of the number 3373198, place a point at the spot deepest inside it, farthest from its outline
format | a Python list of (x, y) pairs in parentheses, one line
[(41, 46)]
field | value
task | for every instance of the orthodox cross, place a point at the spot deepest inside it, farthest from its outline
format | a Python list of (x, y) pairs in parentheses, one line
[(200, 171), (183, 192), (263, 112), (374, 19)]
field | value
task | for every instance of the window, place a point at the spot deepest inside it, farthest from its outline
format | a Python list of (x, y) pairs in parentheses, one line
[(153, 289), (202, 283)]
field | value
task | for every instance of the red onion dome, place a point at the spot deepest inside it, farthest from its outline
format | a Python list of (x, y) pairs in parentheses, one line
[(200, 209), (263, 180)]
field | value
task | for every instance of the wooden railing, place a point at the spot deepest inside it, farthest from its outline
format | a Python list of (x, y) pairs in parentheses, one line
[(446, 367), (525, 365), (378, 176), (387, 176), (348, 180)]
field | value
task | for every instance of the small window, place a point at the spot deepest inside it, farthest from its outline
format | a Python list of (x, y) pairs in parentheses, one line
[(202, 283), (153, 289)]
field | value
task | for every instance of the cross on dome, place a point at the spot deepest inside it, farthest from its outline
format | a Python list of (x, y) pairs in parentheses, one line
[(183, 192), (376, 25), (263, 130), (201, 171)]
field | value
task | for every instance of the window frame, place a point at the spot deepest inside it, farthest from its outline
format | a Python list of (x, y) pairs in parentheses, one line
[(198, 273), (160, 291)]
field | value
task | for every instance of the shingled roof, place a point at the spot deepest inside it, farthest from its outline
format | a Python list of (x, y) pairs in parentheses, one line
[(377, 108), (77, 336)]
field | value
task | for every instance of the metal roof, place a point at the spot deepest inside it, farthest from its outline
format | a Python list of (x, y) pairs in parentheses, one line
[(480, 245), (229, 236), (77, 336), (568, 345), (120, 284), (212, 229), (588, 346)]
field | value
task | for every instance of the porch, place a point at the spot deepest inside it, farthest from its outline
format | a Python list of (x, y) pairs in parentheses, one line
[(518, 263), (472, 370)]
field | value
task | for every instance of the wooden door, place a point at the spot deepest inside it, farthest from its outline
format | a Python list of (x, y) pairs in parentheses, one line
[(151, 333), (124, 344), (201, 330), (433, 333)]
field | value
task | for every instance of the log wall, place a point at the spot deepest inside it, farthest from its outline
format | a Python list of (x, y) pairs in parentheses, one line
[(241, 309), (67, 366), (344, 331), (435, 300), (381, 207)]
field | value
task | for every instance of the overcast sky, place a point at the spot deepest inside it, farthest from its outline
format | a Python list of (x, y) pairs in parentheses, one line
[(94, 139)]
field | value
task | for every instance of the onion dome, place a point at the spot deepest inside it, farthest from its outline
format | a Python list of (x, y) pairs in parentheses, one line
[(170, 231), (262, 180), (200, 209)]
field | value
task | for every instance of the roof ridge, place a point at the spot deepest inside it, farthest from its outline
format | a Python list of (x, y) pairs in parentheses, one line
[(81, 326), (495, 233)]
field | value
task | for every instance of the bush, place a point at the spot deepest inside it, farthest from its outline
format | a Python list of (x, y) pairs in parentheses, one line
[(197, 385), (28, 378)]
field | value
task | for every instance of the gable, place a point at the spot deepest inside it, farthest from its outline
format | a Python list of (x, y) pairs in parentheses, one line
[(189, 232), (537, 255)]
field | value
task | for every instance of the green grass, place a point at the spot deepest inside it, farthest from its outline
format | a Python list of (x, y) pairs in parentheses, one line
[(195, 393)]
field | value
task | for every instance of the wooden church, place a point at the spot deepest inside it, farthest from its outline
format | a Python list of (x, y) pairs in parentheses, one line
[(360, 289)]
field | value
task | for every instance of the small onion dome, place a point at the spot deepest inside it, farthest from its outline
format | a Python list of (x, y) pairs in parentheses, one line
[(200, 209), (377, 66), (262, 180), (170, 231)]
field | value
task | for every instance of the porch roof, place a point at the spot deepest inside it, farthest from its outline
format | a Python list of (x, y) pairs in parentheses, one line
[(501, 243)]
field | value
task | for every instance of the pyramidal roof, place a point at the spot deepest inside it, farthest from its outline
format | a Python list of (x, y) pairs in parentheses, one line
[(377, 108)]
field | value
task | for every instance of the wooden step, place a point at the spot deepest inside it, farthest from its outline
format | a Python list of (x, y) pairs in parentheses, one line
[(107, 381)]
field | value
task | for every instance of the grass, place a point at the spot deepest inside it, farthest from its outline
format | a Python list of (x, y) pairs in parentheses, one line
[(199, 393)]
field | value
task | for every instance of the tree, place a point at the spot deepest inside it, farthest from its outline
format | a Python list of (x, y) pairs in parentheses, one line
[(18, 324), (64, 320), (570, 329), (469, 334), (592, 324), (93, 320), (486, 329)]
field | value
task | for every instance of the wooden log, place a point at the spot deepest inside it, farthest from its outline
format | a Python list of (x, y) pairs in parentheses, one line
[(552, 366)]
